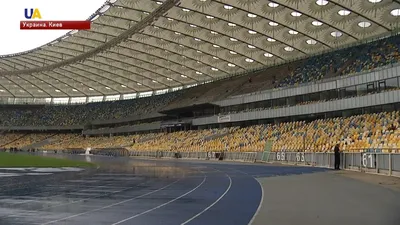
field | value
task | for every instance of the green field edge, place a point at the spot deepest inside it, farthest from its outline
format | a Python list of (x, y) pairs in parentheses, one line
[(12, 160)]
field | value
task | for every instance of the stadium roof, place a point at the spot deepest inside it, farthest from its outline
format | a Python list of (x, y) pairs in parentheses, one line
[(141, 45)]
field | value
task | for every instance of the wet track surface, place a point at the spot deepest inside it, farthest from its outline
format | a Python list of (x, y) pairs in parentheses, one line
[(136, 191)]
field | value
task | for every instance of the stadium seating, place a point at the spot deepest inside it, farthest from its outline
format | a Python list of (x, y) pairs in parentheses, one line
[(347, 61), (61, 141), (71, 141), (27, 140), (374, 55), (315, 68), (82, 114), (192, 140), (356, 133), (267, 79), (368, 132), (9, 137), (207, 93), (342, 62)]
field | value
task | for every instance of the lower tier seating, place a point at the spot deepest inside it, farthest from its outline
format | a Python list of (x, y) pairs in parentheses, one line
[(356, 133)]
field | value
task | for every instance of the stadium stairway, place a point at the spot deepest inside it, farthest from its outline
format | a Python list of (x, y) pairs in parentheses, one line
[(41, 143), (229, 91), (146, 138), (216, 136), (207, 93), (343, 67)]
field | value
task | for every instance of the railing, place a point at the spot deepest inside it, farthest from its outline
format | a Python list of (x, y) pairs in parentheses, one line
[(368, 162), (215, 155)]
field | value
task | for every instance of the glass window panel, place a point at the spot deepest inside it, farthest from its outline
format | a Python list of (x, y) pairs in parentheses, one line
[(129, 96), (291, 100), (388, 108), (350, 91), (392, 83), (362, 89), (60, 101), (78, 100), (112, 97), (371, 88), (95, 99), (342, 93)]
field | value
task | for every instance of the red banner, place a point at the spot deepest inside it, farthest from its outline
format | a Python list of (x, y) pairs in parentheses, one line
[(54, 25)]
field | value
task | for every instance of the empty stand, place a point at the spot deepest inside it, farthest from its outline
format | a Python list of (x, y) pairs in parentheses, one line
[(367, 132), (83, 114)]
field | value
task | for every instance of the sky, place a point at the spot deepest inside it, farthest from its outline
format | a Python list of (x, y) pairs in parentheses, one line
[(13, 40)]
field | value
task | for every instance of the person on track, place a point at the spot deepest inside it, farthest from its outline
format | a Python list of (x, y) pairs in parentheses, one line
[(337, 157)]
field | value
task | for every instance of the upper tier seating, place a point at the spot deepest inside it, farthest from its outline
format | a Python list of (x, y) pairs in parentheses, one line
[(207, 93), (82, 114), (342, 62), (374, 55), (316, 68), (267, 79), (346, 61)]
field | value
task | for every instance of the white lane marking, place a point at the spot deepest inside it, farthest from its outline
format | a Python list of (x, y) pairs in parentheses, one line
[(241, 172), (79, 186), (45, 169), (37, 174), (38, 199), (23, 174), (259, 206), (73, 169), (10, 174), (36, 171), (262, 196), (16, 169), (73, 202), (108, 206), (111, 174), (206, 209), (83, 181), (13, 201), (162, 205)]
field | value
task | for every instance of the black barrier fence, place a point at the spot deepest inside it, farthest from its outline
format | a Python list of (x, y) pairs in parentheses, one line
[(215, 155), (110, 151), (12, 149), (370, 162), (75, 151), (98, 151)]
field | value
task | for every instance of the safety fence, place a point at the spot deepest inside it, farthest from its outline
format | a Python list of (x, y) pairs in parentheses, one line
[(233, 156), (369, 162)]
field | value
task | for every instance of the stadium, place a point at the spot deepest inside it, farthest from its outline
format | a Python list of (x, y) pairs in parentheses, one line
[(228, 112)]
